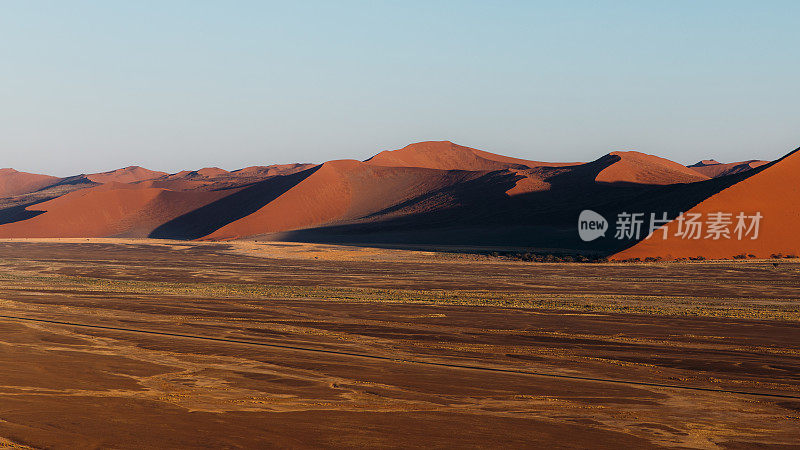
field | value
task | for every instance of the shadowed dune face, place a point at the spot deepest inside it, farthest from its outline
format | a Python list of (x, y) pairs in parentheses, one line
[(13, 182), (772, 192), (714, 169), (640, 168), (115, 209), (446, 155)]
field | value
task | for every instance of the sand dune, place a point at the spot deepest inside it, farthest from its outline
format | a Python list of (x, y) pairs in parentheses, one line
[(125, 175), (534, 208), (113, 209), (446, 155), (13, 182), (339, 191), (429, 193), (243, 202), (272, 170), (773, 192), (207, 172), (214, 178), (252, 172), (714, 169), (641, 168)]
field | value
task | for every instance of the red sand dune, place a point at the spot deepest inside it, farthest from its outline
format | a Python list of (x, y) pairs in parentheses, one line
[(339, 191), (247, 174), (773, 192), (641, 168), (211, 172), (706, 162), (114, 209), (714, 169), (125, 175), (13, 182), (530, 181), (214, 178), (207, 172), (446, 155), (182, 175), (436, 192), (272, 170)]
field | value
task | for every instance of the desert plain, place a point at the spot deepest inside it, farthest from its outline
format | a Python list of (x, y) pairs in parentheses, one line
[(138, 343)]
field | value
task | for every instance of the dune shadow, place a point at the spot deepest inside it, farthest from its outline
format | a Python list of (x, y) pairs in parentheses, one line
[(18, 214)]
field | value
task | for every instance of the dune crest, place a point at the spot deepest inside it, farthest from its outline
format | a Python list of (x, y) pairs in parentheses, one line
[(125, 175), (446, 155)]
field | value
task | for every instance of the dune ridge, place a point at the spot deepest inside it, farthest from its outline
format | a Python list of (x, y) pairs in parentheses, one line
[(428, 193)]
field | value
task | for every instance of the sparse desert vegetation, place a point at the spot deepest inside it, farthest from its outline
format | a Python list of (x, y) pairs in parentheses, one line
[(255, 343)]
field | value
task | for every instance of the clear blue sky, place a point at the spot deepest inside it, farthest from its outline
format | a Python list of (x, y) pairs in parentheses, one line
[(95, 85)]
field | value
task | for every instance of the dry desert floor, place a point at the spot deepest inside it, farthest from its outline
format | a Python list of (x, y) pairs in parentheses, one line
[(142, 344)]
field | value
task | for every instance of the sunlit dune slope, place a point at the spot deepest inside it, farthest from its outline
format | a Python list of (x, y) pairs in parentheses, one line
[(773, 192)]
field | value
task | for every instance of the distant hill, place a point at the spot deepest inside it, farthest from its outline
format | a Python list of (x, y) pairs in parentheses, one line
[(640, 168), (13, 182), (714, 169), (125, 175)]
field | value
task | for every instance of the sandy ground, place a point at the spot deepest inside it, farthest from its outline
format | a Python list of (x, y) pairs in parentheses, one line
[(131, 344), (281, 250)]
